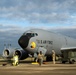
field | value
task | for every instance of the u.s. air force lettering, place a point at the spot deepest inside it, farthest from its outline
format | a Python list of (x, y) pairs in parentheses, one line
[(44, 42)]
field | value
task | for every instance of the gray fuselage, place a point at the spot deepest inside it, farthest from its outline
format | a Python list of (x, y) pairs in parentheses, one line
[(47, 40)]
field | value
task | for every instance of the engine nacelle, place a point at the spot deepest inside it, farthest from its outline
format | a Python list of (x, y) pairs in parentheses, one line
[(22, 54), (8, 52)]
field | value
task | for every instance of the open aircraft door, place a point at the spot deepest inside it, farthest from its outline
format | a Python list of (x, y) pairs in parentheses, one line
[(42, 49)]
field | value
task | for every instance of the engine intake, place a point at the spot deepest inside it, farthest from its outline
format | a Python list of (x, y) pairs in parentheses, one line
[(6, 52)]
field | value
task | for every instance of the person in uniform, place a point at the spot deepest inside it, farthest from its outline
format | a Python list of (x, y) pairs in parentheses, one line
[(53, 56), (40, 58), (15, 60)]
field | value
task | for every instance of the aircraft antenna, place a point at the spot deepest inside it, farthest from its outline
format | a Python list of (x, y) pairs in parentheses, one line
[(5, 46), (9, 45)]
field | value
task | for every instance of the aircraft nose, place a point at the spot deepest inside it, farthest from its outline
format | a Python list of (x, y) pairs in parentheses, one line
[(23, 41)]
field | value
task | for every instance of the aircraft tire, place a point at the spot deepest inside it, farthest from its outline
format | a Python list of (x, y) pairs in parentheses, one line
[(63, 62), (71, 62), (49, 58)]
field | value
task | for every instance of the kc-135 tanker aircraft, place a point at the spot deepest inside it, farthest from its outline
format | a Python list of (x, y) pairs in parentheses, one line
[(35, 40)]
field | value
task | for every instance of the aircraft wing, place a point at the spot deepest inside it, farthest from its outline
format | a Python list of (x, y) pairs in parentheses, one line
[(68, 48)]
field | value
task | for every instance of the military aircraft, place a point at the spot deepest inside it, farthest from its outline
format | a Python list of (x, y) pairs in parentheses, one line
[(35, 40)]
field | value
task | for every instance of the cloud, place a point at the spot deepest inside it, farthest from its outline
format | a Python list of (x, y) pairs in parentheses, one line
[(39, 11), (11, 34), (46, 14)]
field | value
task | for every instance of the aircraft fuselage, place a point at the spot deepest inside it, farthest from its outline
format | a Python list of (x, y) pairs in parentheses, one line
[(33, 39)]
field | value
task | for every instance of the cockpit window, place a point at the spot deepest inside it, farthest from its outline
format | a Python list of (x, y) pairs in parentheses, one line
[(32, 34)]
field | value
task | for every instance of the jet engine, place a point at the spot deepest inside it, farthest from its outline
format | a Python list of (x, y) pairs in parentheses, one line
[(10, 52), (21, 53)]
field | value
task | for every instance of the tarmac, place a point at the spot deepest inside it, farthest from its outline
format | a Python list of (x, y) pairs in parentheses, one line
[(48, 68)]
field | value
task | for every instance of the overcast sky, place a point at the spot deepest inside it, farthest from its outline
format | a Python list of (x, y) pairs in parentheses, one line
[(17, 16)]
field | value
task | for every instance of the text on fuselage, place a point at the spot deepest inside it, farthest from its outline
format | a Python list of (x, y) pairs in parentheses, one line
[(44, 42)]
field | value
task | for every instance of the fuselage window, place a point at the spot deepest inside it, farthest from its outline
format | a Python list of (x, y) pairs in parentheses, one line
[(36, 34)]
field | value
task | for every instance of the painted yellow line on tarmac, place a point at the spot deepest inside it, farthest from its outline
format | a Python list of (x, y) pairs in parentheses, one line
[(34, 63)]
